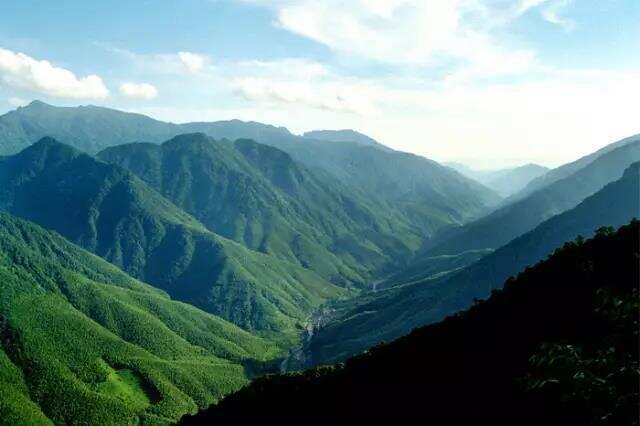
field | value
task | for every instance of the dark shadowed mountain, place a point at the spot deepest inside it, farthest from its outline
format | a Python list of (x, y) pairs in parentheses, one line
[(345, 136), (84, 342), (432, 195), (557, 346), (257, 195), (515, 219), (505, 182), (364, 321), (109, 211)]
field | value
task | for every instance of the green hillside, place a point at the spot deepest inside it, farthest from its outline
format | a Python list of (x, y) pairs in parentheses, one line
[(558, 345), (428, 195), (364, 321), (513, 220), (87, 128), (82, 342), (112, 213), (257, 195)]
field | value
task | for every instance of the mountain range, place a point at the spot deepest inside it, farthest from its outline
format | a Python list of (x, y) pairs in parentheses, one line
[(514, 219), (359, 323), (151, 268), (345, 135), (257, 195), (505, 182), (429, 194), (109, 211)]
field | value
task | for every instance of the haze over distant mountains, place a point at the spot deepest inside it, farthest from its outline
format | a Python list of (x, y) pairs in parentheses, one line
[(345, 136), (505, 182)]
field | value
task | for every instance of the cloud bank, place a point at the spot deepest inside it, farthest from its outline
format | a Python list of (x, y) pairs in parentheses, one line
[(139, 91), (23, 72)]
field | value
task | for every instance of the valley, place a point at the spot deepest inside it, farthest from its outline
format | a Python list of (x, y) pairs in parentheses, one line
[(200, 260)]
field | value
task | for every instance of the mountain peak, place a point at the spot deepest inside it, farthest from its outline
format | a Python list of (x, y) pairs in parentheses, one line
[(345, 135), (36, 105)]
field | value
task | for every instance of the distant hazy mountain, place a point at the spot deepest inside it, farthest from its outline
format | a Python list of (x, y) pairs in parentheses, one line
[(567, 169), (109, 211), (84, 342), (516, 218), (432, 195), (345, 136), (257, 195), (360, 323), (505, 182), (557, 346)]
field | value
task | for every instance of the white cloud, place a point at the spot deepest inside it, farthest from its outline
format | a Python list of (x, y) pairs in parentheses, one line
[(139, 90), (403, 31), (552, 12), (163, 63), (17, 102), (193, 62), (334, 96), (286, 68), (20, 71)]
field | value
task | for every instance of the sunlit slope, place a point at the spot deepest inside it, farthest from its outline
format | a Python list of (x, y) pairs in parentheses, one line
[(112, 213), (84, 342)]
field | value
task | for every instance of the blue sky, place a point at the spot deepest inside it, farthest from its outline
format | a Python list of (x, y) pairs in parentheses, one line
[(487, 82)]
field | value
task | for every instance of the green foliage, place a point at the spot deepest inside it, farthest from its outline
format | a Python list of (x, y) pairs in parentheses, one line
[(415, 190), (600, 377), (396, 309), (82, 341), (114, 214), (257, 195)]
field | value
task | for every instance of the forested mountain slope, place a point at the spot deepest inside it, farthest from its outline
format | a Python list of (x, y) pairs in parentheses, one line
[(87, 128), (82, 342), (515, 219), (257, 195), (557, 346), (107, 210), (432, 195), (362, 322)]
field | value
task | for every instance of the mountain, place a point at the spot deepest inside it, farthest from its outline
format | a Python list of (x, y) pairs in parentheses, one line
[(515, 219), (508, 182), (568, 169), (87, 128), (257, 195), (558, 345), (345, 136), (82, 342), (505, 182), (432, 195), (355, 325), (110, 212)]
